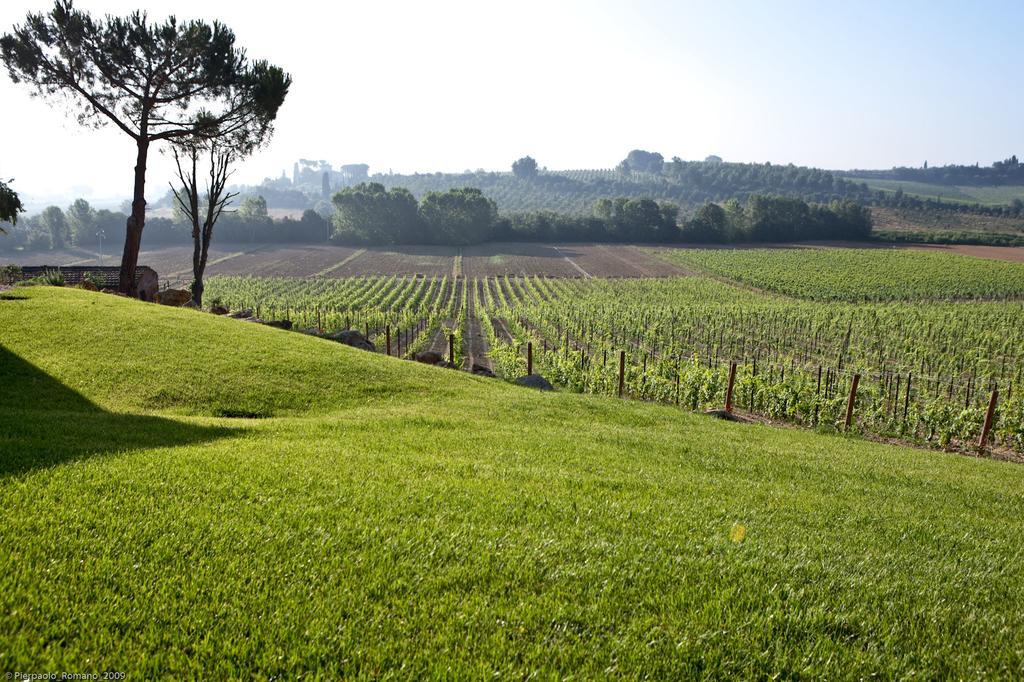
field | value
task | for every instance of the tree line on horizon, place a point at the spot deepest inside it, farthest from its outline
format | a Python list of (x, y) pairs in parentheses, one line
[(81, 225), (1009, 171), (370, 214)]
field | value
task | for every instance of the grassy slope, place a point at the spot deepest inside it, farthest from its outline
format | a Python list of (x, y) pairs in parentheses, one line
[(397, 515)]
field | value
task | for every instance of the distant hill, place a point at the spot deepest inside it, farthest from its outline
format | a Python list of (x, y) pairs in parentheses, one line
[(686, 183), (997, 190)]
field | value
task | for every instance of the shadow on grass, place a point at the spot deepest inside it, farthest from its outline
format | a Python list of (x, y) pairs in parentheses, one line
[(44, 423)]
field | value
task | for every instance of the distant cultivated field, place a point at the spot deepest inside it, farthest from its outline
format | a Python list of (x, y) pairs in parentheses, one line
[(432, 261), (284, 261), (619, 260), (895, 220), (930, 333), (174, 263), (991, 196), (517, 259), (859, 274)]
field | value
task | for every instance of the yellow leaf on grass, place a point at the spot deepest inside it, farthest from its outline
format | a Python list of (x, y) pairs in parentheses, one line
[(738, 532)]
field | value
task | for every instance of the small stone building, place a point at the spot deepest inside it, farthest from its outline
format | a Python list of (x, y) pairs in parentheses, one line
[(147, 283)]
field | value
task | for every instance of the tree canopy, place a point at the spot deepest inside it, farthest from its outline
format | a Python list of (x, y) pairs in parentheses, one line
[(253, 208), (81, 220), (644, 161), (54, 222), (153, 81), (370, 213), (1009, 171), (10, 205), (525, 168), (458, 216)]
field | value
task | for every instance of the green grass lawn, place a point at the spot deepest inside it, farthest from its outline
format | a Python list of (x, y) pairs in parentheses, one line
[(386, 519)]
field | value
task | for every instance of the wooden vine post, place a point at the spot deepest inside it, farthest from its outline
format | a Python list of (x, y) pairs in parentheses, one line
[(728, 392), (906, 398), (853, 399), (989, 416), (529, 357), (622, 370), (451, 349), (387, 333)]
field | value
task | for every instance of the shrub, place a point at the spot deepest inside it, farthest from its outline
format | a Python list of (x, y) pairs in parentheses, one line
[(9, 274), (52, 278), (95, 279)]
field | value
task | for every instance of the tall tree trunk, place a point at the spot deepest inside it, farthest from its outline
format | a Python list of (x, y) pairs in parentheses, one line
[(136, 221), (197, 290), (198, 265)]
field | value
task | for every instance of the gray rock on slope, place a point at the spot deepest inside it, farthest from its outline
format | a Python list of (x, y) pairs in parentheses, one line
[(350, 337), (535, 381), (429, 357)]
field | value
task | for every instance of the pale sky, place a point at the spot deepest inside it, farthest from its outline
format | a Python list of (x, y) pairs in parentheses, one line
[(427, 86)]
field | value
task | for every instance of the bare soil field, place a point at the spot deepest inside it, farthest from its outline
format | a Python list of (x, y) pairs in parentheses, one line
[(60, 257), (430, 261), (1014, 254), (170, 262), (284, 261), (495, 260), (619, 260), (174, 263)]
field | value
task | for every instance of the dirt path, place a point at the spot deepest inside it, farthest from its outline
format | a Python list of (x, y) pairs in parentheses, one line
[(439, 341), (475, 345), (501, 330)]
